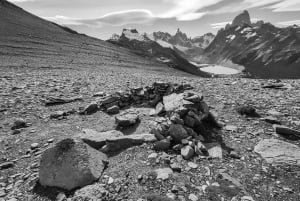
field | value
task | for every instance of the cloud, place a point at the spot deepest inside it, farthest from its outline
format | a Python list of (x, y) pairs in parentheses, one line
[(274, 5), (220, 25), (289, 23), (190, 16), (19, 1), (113, 19), (185, 10)]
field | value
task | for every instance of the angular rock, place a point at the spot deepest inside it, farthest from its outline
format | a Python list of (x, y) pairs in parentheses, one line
[(159, 108), (126, 119), (278, 152), (98, 139), (91, 193), (248, 111), (174, 102), (90, 109), (113, 110), (214, 150), (163, 173), (283, 130), (178, 132), (187, 152), (71, 164), (19, 123), (116, 144), (162, 145), (271, 120), (57, 114)]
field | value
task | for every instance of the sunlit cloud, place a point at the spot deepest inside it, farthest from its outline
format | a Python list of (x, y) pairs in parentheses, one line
[(289, 23), (114, 19), (220, 25), (187, 9)]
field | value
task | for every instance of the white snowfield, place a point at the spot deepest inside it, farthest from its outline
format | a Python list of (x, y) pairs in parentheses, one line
[(134, 36)]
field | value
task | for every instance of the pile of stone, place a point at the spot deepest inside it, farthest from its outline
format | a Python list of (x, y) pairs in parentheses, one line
[(186, 124), (149, 95)]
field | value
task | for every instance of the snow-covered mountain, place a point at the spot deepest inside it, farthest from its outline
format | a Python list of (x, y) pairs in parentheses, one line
[(145, 45), (264, 50)]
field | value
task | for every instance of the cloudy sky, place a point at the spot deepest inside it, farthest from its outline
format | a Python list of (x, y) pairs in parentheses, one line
[(102, 18)]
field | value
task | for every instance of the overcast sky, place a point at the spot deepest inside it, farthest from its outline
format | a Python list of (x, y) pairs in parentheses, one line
[(102, 18)]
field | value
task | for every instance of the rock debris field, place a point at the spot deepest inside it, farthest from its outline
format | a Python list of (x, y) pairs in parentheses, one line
[(126, 134)]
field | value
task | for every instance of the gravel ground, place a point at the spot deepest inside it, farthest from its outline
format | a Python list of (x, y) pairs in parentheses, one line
[(23, 91)]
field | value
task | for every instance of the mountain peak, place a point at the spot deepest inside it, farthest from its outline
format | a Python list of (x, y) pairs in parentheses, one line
[(241, 19)]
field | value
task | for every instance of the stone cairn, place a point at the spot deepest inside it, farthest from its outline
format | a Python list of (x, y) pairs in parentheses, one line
[(183, 122)]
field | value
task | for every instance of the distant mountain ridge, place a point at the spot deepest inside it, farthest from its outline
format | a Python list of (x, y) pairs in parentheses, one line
[(264, 50), (145, 46)]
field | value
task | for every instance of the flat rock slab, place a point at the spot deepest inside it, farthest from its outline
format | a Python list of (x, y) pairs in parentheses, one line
[(163, 173), (175, 101), (71, 164), (116, 144), (283, 130), (278, 152), (98, 139)]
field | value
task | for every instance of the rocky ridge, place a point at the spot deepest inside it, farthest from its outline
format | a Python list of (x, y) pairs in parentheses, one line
[(264, 50)]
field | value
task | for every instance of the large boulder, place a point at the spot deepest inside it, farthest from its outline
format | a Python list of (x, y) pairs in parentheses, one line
[(278, 152), (71, 164)]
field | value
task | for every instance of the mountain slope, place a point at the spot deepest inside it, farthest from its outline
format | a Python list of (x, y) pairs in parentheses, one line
[(264, 50), (189, 48), (29, 41), (144, 46)]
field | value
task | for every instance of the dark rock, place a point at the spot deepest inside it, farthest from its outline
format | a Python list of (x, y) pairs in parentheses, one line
[(162, 145), (247, 111), (113, 110), (154, 197), (71, 164), (271, 120), (19, 123), (6, 165), (178, 132), (283, 130), (117, 144), (90, 109)]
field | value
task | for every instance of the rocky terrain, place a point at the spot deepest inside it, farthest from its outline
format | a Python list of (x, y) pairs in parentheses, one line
[(106, 124), (264, 50), (35, 118)]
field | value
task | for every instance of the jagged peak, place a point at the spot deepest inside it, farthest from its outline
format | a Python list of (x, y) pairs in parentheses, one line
[(241, 19)]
